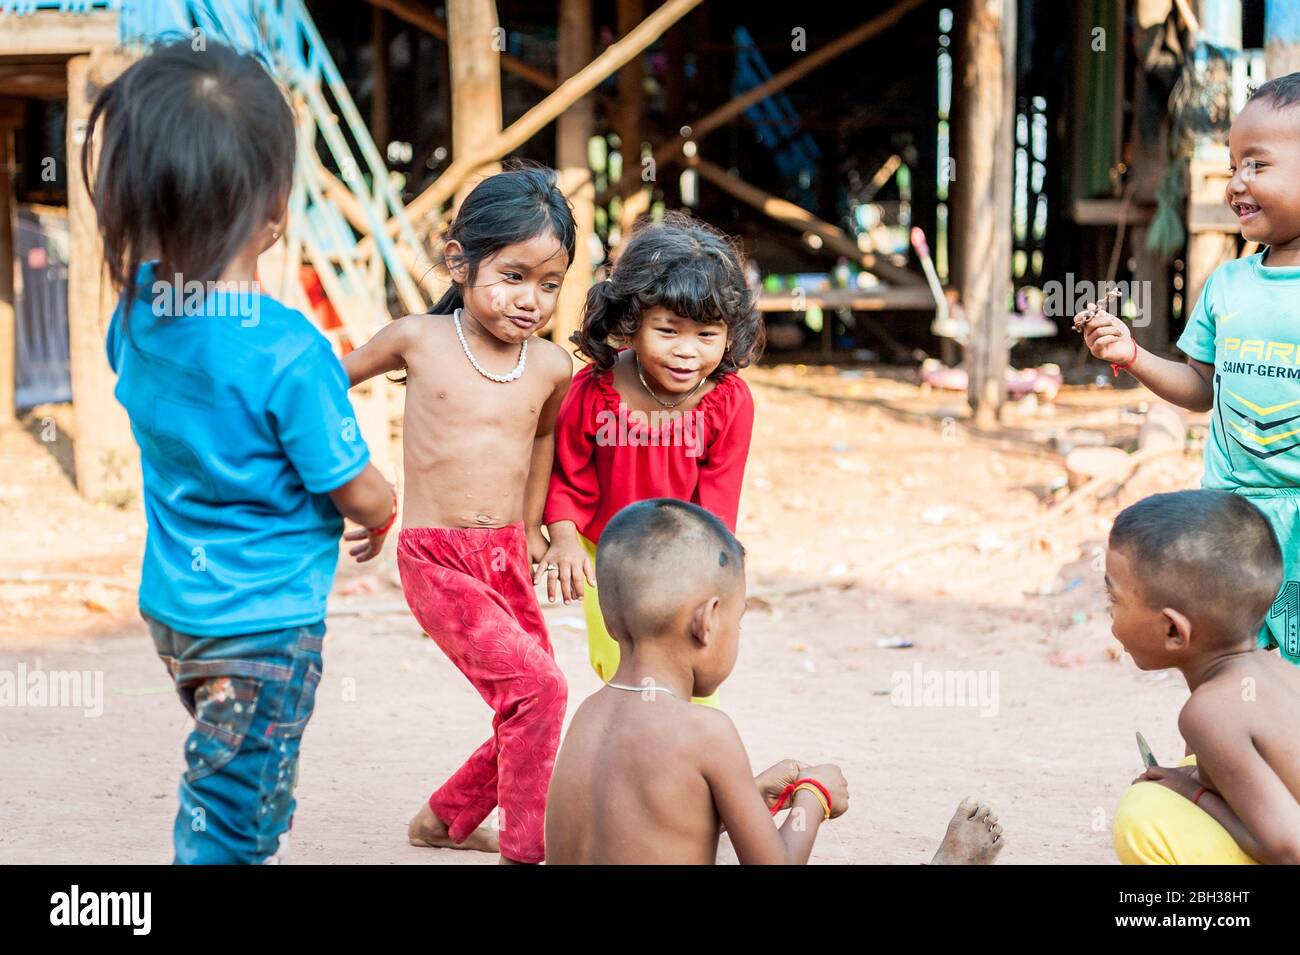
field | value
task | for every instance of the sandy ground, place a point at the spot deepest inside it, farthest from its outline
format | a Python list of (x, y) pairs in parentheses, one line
[(871, 513)]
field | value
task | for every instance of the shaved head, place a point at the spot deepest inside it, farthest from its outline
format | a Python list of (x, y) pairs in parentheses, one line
[(658, 557)]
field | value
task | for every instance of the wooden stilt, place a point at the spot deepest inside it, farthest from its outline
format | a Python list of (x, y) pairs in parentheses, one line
[(379, 96), (106, 458), (573, 131), (985, 118), (473, 38), (627, 121)]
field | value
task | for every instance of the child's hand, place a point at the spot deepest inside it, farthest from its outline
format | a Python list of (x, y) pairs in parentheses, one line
[(537, 546), (829, 775), (565, 565), (772, 781), (1182, 780), (1107, 336), (374, 543)]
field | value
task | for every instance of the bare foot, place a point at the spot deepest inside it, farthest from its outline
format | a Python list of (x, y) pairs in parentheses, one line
[(427, 831), (973, 838)]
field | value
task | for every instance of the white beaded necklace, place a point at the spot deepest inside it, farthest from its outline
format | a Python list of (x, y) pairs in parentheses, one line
[(501, 379)]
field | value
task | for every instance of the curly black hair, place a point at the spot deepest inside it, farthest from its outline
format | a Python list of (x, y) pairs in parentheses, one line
[(689, 268)]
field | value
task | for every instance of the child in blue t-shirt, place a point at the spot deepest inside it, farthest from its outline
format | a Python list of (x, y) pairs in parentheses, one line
[(1242, 342), (249, 447)]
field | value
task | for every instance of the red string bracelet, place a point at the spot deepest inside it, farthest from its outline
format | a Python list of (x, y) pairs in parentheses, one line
[(1199, 793), (785, 793), (384, 528), (1116, 367)]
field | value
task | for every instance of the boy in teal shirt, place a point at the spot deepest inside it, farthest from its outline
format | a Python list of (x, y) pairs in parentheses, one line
[(1242, 342)]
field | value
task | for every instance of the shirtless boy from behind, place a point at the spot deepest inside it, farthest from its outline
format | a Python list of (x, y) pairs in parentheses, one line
[(644, 776)]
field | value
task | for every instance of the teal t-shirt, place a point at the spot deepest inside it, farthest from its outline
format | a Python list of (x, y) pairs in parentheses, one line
[(1247, 325), (241, 411)]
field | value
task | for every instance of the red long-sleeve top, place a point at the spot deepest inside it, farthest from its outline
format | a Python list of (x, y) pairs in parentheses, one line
[(606, 459)]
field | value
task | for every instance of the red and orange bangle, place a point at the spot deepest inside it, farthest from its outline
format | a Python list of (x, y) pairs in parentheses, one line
[(813, 786), (387, 525), (1116, 367)]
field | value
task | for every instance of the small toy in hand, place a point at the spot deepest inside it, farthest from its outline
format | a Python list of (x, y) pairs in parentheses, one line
[(1081, 320)]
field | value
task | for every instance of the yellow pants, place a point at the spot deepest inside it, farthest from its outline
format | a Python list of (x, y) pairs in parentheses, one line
[(1157, 826), (601, 647)]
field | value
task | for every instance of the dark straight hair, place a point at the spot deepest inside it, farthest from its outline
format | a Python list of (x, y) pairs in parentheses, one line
[(196, 152), (515, 205)]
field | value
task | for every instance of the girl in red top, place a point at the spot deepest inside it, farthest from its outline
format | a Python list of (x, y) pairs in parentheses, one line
[(660, 410)]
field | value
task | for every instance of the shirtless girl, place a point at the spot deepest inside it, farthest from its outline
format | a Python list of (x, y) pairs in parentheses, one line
[(482, 396)]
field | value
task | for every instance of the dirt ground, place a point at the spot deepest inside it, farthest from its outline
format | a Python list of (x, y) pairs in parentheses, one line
[(872, 514)]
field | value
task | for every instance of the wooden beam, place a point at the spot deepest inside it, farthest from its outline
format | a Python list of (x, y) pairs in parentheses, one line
[(105, 456), (728, 111), (984, 123), (834, 238), (8, 317), (541, 115), (573, 131), (472, 40), (47, 32)]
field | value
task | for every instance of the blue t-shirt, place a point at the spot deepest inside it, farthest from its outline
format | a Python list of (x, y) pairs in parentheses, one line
[(241, 412)]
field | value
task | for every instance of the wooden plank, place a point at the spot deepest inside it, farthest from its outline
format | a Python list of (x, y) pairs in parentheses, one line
[(834, 238), (51, 32), (911, 299), (984, 121), (475, 81), (105, 456), (573, 130), (728, 111)]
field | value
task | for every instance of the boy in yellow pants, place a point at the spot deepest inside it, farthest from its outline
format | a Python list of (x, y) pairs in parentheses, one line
[(1190, 577)]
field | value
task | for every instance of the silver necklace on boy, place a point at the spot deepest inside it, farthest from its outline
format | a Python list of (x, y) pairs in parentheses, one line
[(501, 379), (642, 689), (650, 391)]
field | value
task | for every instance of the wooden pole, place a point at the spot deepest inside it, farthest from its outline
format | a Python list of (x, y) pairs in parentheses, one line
[(984, 123), (105, 456), (8, 317), (728, 111), (473, 39), (799, 219), (573, 131), (631, 105), (379, 95), (537, 118)]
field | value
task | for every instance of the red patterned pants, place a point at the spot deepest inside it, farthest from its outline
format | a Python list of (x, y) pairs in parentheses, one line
[(471, 590)]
